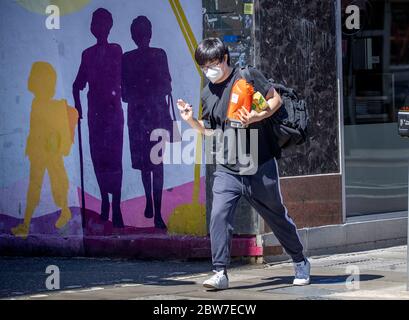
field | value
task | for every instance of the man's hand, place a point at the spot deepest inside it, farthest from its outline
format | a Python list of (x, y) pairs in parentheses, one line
[(253, 116), (186, 110)]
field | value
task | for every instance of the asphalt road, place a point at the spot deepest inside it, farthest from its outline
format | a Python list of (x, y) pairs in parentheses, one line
[(25, 275)]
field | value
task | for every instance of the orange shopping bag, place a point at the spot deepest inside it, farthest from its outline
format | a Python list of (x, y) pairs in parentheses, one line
[(241, 96)]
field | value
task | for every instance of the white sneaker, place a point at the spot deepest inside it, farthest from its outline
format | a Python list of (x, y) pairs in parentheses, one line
[(302, 273), (219, 281)]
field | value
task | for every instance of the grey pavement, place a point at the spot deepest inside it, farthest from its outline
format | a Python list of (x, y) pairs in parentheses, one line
[(377, 274)]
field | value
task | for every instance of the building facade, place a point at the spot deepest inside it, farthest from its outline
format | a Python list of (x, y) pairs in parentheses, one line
[(91, 187)]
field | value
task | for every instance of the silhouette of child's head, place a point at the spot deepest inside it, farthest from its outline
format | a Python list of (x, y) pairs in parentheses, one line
[(101, 23), (141, 30), (42, 80)]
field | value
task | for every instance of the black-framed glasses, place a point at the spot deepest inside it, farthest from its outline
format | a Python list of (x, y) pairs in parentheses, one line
[(214, 65)]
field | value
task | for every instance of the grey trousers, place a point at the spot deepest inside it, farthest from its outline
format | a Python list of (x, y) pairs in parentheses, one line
[(262, 191)]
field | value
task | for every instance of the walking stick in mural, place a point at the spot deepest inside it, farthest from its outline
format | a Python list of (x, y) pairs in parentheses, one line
[(81, 174), (189, 219)]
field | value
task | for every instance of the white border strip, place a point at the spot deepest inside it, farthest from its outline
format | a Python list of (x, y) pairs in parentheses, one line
[(341, 139), (312, 175)]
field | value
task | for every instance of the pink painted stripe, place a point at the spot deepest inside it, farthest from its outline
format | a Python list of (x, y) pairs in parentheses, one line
[(133, 209), (164, 246)]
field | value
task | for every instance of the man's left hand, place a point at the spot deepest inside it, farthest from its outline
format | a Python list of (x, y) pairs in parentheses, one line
[(248, 118)]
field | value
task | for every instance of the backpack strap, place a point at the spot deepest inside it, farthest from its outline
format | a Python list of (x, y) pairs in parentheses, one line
[(285, 91), (245, 73)]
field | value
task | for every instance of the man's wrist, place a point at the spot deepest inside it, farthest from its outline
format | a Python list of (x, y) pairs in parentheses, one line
[(192, 121), (261, 116)]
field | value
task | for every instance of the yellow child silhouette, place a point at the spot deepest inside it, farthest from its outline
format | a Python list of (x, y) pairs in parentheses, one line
[(52, 127)]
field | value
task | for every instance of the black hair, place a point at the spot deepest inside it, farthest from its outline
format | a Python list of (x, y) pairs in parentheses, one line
[(211, 49)]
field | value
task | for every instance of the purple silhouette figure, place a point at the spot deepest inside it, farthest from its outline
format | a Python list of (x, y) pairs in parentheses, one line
[(101, 69), (146, 83)]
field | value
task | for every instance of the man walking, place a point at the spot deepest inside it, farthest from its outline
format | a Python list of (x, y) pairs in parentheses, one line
[(258, 179)]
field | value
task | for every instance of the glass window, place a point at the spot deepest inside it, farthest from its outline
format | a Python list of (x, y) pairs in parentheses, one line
[(376, 85)]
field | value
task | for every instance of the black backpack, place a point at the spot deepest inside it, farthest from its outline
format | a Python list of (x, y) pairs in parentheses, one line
[(289, 123)]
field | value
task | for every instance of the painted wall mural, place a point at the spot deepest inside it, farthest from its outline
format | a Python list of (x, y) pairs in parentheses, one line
[(52, 129), (79, 105)]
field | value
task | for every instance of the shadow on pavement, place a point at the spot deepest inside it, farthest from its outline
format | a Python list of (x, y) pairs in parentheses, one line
[(27, 275), (286, 281)]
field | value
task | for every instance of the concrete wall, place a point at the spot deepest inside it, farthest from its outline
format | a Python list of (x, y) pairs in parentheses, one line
[(294, 42), (233, 22), (40, 184)]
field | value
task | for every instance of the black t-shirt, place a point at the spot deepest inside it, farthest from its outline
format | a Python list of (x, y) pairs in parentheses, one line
[(236, 147)]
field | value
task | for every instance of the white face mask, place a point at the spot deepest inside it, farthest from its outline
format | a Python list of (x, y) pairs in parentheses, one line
[(214, 74)]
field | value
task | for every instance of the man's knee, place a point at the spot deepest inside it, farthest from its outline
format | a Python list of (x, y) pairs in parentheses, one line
[(219, 217)]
